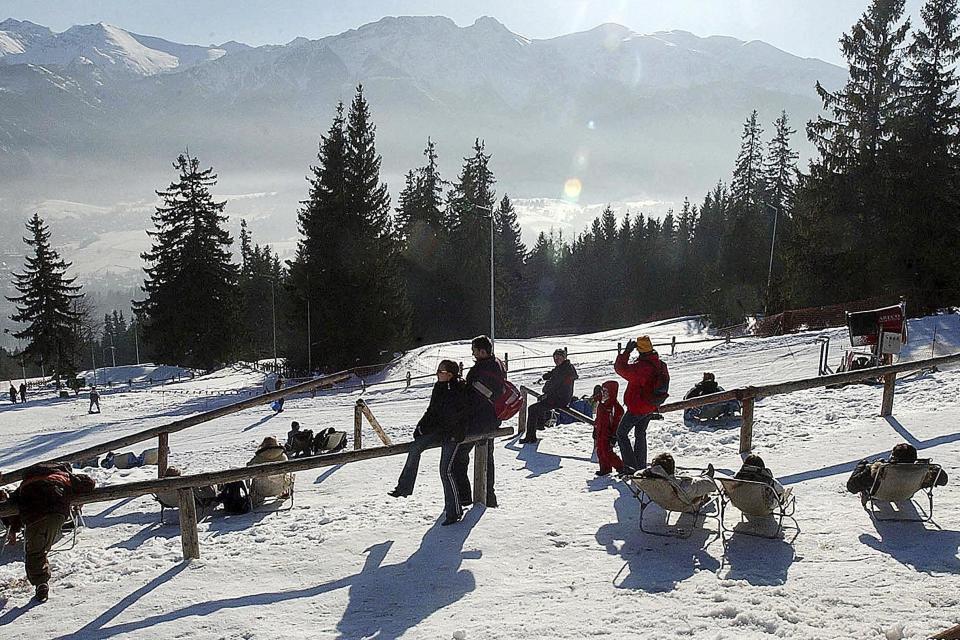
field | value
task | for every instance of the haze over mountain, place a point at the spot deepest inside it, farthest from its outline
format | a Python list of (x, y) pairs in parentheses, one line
[(96, 114)]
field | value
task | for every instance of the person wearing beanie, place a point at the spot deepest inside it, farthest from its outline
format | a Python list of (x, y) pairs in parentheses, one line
[(647, 381), (557, 393)]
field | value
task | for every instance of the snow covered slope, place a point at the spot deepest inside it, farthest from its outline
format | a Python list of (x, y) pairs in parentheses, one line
[(561, 558)]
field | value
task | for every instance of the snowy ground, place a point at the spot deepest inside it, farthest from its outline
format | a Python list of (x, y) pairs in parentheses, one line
[(561, 558)]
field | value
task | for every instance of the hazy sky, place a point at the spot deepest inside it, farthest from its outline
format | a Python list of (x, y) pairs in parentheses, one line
[(803, 27)]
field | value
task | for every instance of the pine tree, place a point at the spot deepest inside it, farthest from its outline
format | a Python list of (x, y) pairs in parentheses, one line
[(190, 309), (261, 286), (512, 303), (46, 305), (928, 222), (541, 276), (780, 167), (469, 207)]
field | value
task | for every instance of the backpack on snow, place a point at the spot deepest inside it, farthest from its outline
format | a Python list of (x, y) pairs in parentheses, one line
[(236, 498), (661, 385)]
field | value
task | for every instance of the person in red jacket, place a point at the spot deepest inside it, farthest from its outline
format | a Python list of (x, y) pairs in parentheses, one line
[(644, 378), (608, 415)]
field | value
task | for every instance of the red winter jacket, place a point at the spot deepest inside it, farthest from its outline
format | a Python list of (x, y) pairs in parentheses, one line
[(609, 412), (641, 377)]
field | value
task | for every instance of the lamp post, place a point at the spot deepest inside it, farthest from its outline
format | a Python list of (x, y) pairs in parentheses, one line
[(136, 340), (489, 211), (773, 242)]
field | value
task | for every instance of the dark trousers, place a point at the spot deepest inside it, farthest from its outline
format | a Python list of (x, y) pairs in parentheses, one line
[(408, 477), (463, 460), (39, 537), (454, 457), (537, 415), (634, 455)]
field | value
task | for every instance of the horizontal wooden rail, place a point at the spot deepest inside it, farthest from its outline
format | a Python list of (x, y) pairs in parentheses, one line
[(779, 388), (180, 425), (573, 413), (146, 487)]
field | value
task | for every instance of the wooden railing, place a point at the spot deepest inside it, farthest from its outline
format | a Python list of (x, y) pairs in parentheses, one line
[(184, 485), (162, 432), (749, 395)]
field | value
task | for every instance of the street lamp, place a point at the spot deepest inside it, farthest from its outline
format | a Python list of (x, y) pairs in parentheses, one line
[(489, 210), (773, 242)]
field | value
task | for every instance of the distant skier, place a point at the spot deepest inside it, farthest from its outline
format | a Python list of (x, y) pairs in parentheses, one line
[(23, 392), (94, 400), (13, 394)]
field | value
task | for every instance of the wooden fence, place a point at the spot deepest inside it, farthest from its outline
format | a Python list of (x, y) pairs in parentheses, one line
[(749, 395)]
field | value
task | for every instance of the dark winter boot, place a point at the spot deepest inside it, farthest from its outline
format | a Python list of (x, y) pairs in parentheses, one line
[(43, 592)]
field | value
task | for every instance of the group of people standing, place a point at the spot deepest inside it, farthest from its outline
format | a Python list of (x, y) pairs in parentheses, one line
[(458, 407), (23, 392)]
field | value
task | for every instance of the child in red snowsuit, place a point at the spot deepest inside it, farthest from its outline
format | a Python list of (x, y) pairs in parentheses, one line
[(609, 412)]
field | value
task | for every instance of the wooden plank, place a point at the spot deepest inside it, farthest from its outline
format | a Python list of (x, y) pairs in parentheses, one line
[(163, 454), (189, 538), (180, 425), (357, 424), (146, 487), (480, 472), (373, 423), (522, 416), (953, 633), (746, 428)]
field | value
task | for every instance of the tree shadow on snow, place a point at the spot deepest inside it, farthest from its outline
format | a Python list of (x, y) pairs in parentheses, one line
[(389, 590), (914, 545), (653, 563)]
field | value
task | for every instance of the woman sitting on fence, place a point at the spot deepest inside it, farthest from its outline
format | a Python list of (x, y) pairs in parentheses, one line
[(446, 403)]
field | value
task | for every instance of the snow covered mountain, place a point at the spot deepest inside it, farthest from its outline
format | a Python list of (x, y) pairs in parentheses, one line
[(103, 45), (95, 114)]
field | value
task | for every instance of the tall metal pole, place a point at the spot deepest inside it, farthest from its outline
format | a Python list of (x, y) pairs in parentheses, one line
[(136, 340), (309, 342), (93, 360), (492, 314), (273, 307), (773, 242)]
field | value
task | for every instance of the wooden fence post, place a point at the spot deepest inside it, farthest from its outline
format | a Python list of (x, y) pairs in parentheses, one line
[(163, 452), (374, 423), (357, 423), (188, 524), (746, 429), (480, 472), (619, 348), (673, 345), (506, 362), (408, 379), (889, 380)]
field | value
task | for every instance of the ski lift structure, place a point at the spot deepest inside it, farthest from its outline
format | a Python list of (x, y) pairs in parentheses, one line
[(875, 337)]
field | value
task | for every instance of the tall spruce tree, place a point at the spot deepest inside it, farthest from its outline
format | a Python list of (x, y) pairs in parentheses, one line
[(512, 303), (928, 221), (47, 305), (843, 216), (190, 309), (469, 207), (261, 288), (780, 167)]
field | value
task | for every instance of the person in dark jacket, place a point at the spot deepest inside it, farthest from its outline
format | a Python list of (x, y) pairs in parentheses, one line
[(23, 392), (608, 416), (865, 473), (755, 470), (442, 418), (705, 387), (641, 376), (13, 394), (484, 385), (43, 499), (557, 393), (94, 400)]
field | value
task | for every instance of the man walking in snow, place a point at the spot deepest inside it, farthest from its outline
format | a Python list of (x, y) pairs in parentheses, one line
[(44, 502), (94, 400), (557, 393), (23, 392), (13, 394), (647, 381)]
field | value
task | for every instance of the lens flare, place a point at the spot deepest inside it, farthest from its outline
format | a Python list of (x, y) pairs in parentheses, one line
[(572, 188)]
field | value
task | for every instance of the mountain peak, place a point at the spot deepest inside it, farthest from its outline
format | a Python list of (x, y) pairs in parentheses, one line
[(24, 26)]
